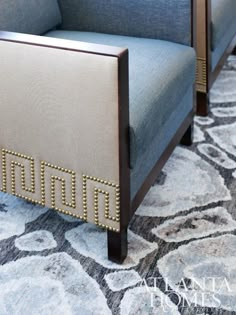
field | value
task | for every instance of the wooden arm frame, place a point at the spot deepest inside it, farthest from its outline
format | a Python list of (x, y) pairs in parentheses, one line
[(205, 76)]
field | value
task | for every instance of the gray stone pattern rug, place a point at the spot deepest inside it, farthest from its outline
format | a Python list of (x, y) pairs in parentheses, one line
[(182, 240)]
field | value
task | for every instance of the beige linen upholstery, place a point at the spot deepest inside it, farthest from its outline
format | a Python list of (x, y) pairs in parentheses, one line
[(59, 130), (201, 46)]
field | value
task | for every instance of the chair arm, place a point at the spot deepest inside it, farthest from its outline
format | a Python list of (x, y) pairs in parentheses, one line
[(159, 19), (61, 133)]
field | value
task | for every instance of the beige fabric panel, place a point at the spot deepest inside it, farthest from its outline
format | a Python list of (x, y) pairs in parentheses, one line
[(59, 130), (201, 46)]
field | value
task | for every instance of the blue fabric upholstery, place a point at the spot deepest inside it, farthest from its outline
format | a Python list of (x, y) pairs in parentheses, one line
[(160, 74), (29, 16), (159, 143), (162, 19), (223, 44), (223, 17)]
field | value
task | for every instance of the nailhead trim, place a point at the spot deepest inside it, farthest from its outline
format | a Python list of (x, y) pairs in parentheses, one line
[(97, 191), (71, 204)]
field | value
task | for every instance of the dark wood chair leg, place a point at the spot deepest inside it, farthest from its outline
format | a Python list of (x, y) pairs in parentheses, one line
[(117, 246), (202, 104), (187, 138), (234, 51)]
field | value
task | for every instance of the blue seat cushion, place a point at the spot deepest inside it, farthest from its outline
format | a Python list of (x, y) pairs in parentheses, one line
[(223, 16), (218, 52), (148, 159), (160, 73), (29, 16)]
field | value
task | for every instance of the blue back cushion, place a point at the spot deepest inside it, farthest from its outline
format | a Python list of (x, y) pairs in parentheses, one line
[(159, 19), (223, 16), (29, 16)]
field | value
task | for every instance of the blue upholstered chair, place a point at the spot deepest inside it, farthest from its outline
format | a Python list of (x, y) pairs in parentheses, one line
[(93, 103), (216, 39)]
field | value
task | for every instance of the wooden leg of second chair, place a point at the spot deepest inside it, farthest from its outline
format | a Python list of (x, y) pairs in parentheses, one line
[(202, 104), (188, 136), (117, 246)]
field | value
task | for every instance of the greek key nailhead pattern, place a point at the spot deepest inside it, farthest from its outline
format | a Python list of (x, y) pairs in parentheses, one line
[(72, 204), (201, 74), (53, 179), (98, 191), (15, 164)]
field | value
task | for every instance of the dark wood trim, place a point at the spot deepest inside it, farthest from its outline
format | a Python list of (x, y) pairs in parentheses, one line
[(234, 50), (193, 23), (202, 98), (202, 104), (194, 43), (187, 139), (208, 41), (63, 44), (117, 242), (150, 179), (124, 171)]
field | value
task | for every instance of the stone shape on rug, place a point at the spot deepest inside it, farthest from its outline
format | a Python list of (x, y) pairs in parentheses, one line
[(198, 135), (68, 218), (225, 137), (15, 213), (38, 283), (189, 182), (36, 241), (216, 155), (224, 111), (223, 90), (203, 268), (147, 301), (230, 63), (120, 280), (203, 121), (40, 296), (196, 225), (91, 241)]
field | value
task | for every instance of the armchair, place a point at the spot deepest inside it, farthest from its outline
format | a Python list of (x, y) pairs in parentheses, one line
[(85, 125), (216, 39)]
